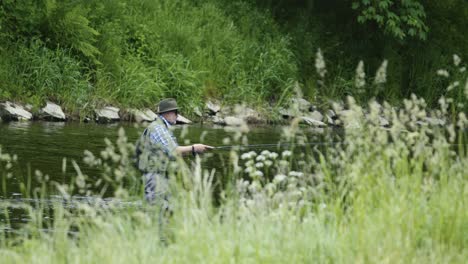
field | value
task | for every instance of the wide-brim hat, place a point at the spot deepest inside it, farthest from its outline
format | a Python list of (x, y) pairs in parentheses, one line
[(167, 105)]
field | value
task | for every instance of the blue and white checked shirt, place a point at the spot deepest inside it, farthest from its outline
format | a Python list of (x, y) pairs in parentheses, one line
[(156, 146), (160, 134)]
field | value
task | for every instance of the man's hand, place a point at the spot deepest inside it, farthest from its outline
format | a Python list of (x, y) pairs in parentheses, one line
[(200, 148)]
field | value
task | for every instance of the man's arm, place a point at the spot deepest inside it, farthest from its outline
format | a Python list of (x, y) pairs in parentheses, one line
[(192, 149)]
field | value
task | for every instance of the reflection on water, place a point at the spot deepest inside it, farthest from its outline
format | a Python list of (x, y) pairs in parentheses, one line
[(43, 145), (52, 127), (18, 126)]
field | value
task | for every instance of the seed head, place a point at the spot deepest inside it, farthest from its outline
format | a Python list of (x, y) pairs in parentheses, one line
[(320, 64), (360, 80), (381, 74)]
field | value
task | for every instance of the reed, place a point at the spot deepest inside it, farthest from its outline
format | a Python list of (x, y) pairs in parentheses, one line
[(393, 195)]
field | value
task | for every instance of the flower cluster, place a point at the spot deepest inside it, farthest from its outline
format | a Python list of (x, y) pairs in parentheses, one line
[(270, 181)]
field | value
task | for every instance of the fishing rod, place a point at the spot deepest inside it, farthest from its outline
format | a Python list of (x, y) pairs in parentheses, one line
[(289, 145), (276, 145)]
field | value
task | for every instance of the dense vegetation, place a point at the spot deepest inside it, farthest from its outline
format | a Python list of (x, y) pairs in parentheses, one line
[(396, 195), (131, 53)]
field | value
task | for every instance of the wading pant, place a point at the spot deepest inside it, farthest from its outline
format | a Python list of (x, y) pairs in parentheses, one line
[(157, 193)]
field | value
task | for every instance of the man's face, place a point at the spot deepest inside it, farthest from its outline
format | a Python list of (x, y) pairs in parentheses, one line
[(171, 117)]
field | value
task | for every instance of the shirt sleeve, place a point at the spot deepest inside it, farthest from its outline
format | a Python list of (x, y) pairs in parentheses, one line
[(162, 136)]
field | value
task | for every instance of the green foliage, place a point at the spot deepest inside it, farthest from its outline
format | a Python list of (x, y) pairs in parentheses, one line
[(134, 53), (35, 73), (399, 18), (68, 26)]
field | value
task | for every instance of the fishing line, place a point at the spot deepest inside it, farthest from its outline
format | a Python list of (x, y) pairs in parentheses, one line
[(276, 145)]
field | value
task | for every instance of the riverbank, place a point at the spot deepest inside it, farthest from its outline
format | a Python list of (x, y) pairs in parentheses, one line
[(381, 196), (299, 111)]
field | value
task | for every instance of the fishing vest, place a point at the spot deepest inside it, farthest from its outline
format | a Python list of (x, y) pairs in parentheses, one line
[(153, 156)]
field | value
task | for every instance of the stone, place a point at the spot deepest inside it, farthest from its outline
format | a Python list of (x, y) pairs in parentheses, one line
[(197, 111), (219, 120), (248, 114), (302, 104), (107, 114), (316, 115), (142, 115), (213, 107), (233, 121), (287, 113), (150, 114), (12, 111), (313, 122), (182, 120), (330, 116), (52, 111)]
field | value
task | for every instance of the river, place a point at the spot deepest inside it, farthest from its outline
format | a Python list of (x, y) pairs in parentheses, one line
[(43, 146)]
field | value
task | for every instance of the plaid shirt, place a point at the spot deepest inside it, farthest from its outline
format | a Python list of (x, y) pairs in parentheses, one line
[(160, 134), (156, 146)]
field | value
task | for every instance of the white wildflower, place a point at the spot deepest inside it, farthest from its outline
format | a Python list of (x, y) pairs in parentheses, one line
[(462, 120), (451, 132), (258, 174), (265, 153), (462, 69), (38, 175), (253, 154), (296, 174), (286, 153), (456, 60), (291, 185), (249, 170), (279, 178), (360, 80), (254, 187), (259, 165), (261, 158), (443, 73), (381, 74), (245, 156), (295, 194), (268, 163), (249, 203), (320, 64), (249, 163), (121, 193), (242, 186), (452, 86), (466, 89), (270, 188), (273, 155), (226, 141)]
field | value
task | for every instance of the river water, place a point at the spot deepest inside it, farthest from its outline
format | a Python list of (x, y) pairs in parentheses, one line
[(44, 145)]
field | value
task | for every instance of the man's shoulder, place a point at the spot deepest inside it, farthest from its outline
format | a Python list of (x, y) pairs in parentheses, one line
[(158, 128), (157, 123)]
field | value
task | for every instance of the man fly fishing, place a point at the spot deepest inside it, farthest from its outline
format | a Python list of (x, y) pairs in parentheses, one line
[(155, 149)]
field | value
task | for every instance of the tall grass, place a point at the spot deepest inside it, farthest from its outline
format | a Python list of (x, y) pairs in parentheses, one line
[(137, 52), (393, 195)]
